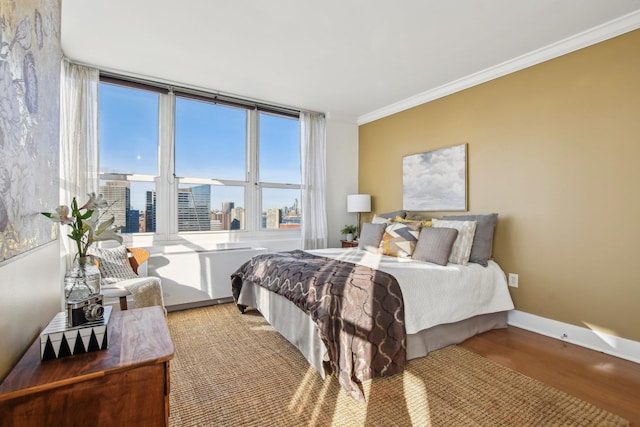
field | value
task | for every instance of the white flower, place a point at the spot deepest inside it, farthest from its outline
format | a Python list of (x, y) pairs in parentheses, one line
[(85, 224), (95, 202), (60, 215), (102, 230)]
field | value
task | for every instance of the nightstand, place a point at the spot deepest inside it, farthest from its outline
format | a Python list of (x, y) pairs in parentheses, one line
[(126, 384), (349, 244)]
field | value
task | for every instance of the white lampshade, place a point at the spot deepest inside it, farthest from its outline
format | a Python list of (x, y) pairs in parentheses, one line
[(359, 203)]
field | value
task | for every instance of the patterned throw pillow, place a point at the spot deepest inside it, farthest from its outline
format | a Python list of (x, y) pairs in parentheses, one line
[(400, 239), (462, 246), (114, 264)]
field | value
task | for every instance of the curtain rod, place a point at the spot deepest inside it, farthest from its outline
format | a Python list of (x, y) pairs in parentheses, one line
[(201, 94), (166, 85)]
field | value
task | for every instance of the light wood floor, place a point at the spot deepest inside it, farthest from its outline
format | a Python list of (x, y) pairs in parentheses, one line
[(608, 382)]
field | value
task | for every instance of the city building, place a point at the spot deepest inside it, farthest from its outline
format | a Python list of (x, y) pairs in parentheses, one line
[(118, 195), (194, 207)]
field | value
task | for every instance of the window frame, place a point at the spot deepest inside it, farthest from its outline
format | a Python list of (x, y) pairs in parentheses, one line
[(168, 183)]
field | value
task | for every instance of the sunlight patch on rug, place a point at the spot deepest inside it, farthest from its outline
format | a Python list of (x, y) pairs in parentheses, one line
[(233, 369)]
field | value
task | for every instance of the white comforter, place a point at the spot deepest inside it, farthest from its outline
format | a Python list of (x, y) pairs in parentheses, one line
[(434, 294)]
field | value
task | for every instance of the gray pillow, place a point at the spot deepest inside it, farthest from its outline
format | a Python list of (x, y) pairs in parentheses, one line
[(482, 246), (370, 236), (434, 245), (393, 215)]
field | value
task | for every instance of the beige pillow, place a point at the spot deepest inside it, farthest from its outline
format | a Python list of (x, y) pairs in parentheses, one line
[(380, 220), (462, 246), (483, 239)]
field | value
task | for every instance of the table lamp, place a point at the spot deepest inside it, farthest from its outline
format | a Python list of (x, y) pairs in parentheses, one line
[(358, 203)]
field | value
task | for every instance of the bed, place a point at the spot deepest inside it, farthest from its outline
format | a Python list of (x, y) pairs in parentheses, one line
[(440, 305)]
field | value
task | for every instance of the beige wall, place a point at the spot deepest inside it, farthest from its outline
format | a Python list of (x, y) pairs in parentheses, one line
[(554, 150)]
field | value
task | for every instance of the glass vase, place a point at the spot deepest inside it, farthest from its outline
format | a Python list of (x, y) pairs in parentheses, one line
[(82, 280)]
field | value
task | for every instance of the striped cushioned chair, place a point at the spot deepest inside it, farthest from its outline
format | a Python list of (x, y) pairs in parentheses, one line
[(138, 259)]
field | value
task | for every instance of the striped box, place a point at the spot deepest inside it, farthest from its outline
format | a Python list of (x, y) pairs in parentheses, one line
[(60, 340)]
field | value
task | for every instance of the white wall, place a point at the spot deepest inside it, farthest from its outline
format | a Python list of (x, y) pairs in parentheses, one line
[(30, 295), (342, 172), (189, 277)]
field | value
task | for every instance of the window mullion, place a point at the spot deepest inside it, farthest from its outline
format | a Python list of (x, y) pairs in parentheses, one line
[(252, 193), (166, 184)]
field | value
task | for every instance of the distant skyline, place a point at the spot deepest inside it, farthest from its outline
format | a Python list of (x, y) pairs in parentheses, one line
[(195, 212), (210, 140)]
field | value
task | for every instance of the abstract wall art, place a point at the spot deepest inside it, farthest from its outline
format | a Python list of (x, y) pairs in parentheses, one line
[(30, 56), (435, 180)]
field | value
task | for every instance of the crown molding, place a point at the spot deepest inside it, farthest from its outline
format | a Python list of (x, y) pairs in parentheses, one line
[(603, 32)]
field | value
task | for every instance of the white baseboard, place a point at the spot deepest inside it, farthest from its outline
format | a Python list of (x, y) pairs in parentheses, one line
[(584, 337)]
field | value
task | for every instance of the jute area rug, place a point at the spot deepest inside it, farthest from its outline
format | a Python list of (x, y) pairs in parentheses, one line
[(235, 370)]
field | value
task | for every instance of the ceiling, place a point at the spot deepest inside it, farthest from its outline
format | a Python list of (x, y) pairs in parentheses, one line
[(346, 57)]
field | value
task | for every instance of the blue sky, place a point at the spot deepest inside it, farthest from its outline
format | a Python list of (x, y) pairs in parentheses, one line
[(210, 143)]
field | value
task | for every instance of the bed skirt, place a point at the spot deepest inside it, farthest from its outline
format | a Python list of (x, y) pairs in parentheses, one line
[(298, 328)]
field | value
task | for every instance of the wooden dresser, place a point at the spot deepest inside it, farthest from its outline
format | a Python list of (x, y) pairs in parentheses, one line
[(125, 385)]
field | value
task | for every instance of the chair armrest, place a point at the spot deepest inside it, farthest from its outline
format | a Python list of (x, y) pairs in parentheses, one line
[(138, 259), (142, 269)]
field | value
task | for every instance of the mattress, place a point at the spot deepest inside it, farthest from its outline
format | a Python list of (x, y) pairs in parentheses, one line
[(443, 304), (435, 294)]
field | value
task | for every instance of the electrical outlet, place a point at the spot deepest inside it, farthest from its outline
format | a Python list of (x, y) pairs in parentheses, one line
[(513, 280)]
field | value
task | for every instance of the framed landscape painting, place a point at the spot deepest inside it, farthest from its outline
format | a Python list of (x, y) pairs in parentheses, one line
[(435, 180)]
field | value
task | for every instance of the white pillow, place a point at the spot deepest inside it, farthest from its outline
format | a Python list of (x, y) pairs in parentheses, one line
[(462, 246), (379, 220)]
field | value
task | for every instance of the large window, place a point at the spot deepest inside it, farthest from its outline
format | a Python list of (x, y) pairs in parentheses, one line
[(211, 140), (211, 160), (217, 166), (128, 136), (279, 166)]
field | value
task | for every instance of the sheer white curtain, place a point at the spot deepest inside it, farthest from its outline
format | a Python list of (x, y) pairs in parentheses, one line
[(78, 137), (313, 165)]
